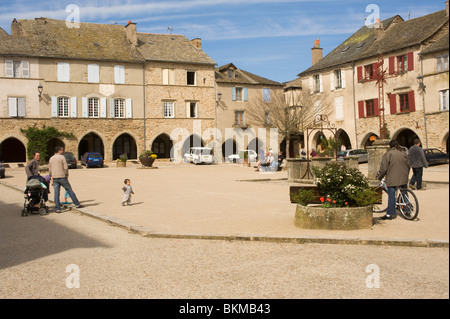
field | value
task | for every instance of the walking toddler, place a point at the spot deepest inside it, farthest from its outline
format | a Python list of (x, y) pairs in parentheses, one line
[(127, 190)]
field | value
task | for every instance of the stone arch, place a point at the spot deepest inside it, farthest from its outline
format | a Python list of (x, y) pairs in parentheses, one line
[(91, 142), (124, 144), (51, 144), (317, 139), (255, 144), (12, 150), (162, 145), (368, 139), (343, 138), (405, 137), (445, 143), (229, 147)]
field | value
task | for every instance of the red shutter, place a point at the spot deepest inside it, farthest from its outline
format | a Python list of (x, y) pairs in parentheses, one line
[(411, 101), (410, 61), (361, 109), (375, 107), (393, 103), (392, 65), (375, 70), (360, 73)]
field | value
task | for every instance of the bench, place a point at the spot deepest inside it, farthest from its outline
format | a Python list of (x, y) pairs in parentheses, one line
[(317, 196)]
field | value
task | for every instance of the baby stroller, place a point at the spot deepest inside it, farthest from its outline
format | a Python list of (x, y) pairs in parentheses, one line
[(35, 194)]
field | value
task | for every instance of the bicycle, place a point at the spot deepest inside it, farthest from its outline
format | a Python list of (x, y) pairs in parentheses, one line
[(406, 201)]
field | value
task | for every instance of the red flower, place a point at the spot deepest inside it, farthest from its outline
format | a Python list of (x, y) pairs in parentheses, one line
[(322, 199), (334, 202), (346, 203), (329, 199)]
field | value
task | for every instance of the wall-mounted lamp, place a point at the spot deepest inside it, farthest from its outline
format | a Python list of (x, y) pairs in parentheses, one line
[(219, 96), (40, 89), (422, 86)]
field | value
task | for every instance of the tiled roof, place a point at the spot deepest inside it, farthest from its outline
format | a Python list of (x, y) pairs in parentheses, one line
[(370, 42), (241, 77), (12, 45), (440, 44), (170, 48), (52, 38)]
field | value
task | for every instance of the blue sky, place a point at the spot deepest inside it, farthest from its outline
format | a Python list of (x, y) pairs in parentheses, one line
[(270, 38)]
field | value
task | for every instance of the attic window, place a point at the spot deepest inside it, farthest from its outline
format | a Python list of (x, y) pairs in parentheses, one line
[(150, 42), (360, 45), (345, 49), (96, 44)]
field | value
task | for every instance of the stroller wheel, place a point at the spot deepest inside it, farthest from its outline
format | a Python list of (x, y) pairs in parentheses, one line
[(42, 211), (24, 212)]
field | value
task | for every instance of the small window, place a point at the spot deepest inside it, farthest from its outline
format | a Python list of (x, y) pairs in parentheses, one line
[(338, 79), (370, 108), (168, 77), (404, 102), (266, 95), (17, 69), (63, 107), (93, 73), (169, 109), (190, 75), (443, 100), (119, 74), (369, 75), (238, 94), (93, 109), (239, 117), (442, 63), (191, 109), (119, 108), (231, 73), (16, 106), (316, 83), (402, 63)]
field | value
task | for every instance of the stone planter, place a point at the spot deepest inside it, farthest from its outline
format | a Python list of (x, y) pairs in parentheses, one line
[(146, 161), (334, 218), (121, 164)]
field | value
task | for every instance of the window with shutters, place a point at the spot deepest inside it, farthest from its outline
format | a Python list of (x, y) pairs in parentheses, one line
[(119, 74), (443, 100), (168, 76), (63, 106), (169, 109), (442, 63), (316, 79), (119, 108), (63, 72), (17, 69), (369, 72), (370, 108), (16, 106), (239, 117), (239, 94), (404, 102), (402, 62), (93, 107), (338, 79), (93, 73)]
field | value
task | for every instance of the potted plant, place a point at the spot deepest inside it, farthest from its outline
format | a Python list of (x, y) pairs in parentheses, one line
[(345, 200), (244, 155), (122, 160), (147, 158)]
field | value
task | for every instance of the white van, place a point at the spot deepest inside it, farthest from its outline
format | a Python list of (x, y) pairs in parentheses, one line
[(199, 155)]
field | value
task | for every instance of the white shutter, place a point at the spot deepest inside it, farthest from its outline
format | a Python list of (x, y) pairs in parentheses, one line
[(93, 73), (84, 107), (63, 72), (67, 72), (25, 69), (339, 108), (9, 68), (21, 107), (129, 111), (54, 106), (73, 106), (12, 103), (188, 109), (321, 82), (311, 85), (111, 108), (119, 74), (165, 75), (343, 78), (103, 107), (332, 81)]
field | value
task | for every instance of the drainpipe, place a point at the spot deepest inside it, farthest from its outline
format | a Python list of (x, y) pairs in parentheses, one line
[(423, 100), (354, 105), (145, 131)]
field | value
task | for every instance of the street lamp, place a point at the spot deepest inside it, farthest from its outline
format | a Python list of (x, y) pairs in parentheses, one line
[(40, 89), (422, 88)]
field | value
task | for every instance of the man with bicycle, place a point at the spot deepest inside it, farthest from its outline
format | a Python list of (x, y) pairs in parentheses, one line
[(395, 166)]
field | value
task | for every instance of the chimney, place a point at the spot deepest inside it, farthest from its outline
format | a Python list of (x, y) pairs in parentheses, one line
[(16, 28), (446, 8), (131, 33), (378, 29), (40, 21), (197, 42), (317, 52)]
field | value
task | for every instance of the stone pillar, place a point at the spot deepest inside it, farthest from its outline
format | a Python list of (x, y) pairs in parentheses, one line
[(297, 169), (376, 152)]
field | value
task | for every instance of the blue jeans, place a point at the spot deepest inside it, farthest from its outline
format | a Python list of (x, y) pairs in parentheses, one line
[(64, 182), (417, 177), (391, 202)]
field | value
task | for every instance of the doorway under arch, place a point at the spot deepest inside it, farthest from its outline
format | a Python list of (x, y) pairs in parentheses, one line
[(406, 137), (124, 144), (12, 150), (229, 147), (342, 138), (91, 143), (162, 145), (192, 141)]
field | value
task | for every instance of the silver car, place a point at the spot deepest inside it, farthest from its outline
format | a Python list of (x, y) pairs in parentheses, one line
[(361, 154)]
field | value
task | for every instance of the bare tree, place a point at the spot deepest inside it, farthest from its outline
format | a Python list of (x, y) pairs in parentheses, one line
[(289, 111)]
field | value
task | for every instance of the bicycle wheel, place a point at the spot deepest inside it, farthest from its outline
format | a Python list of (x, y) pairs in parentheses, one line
[(383, 205), (407, 204)]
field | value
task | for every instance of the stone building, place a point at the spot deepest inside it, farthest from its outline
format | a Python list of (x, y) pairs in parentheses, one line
[(405, 52), (236, 90), (116, 90)]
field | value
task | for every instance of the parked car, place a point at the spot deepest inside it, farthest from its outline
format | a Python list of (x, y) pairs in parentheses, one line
[(198, 155), (2, 170), (360, 153), (92, 159), (251, 155), (435, 156), (70, 159)]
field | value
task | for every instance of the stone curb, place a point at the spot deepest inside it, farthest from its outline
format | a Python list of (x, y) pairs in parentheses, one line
[(149, 233)]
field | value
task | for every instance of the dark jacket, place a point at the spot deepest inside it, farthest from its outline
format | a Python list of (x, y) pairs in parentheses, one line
[(417, 157), (32, 168), (395, 166)]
